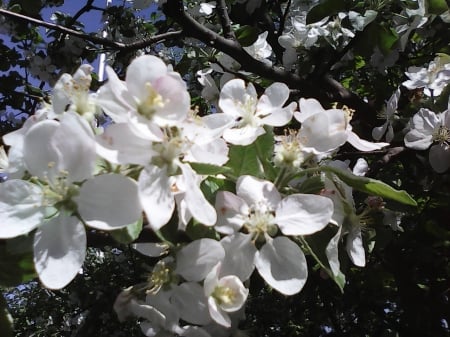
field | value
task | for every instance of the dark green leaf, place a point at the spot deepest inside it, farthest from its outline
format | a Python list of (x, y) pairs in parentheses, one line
[(325, 8), (437, 6), (247, 35), (371, 186)]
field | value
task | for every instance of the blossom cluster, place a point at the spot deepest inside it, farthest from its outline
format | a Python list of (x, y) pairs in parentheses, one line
[(158, 162)]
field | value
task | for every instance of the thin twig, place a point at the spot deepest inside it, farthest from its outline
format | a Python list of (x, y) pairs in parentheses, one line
[(225, 21)]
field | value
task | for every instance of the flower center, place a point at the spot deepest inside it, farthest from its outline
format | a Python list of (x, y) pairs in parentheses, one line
[(248, 117), (169, 150), (223, 295), (59, 193), (261, 219), (288, 152), (161, 275), (442, 135), (152, 102)]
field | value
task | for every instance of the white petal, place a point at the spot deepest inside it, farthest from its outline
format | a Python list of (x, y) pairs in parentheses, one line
[(240, 293), (254, 190), (119, 145), (231, 210), (196, 202), (439, 157), (308, 107), (191, 302), (109, 201), (197, 259), (303, 214), (363, 145), (244, 135), (241, 264), (156, 196), (217, 314), (39, 154), (74, 141), (21, 208), (379, 131), (153, 249), (280, 117), (282, 264), (355, 248), (59, 250), (233, 97), (144, 69), (333, 254)]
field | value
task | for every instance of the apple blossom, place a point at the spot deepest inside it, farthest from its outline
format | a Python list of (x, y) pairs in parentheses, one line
[(390, 113), (250, 114), (428, 128), (323, 130), (260, 211)]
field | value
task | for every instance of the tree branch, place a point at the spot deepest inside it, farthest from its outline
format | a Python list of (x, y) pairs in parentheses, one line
[(92, 38), (225, 21)]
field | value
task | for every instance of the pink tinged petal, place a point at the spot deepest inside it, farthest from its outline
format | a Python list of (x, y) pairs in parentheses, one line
[(231, 212), (241, 264), (142, 70), (74, 141), (363, 145), (196, 202), (439, 157), (190, 301), (355, 248), (21, 208), (282, 264), (217, 314), (197, 259), (303, 214), (39, 154), (254, 190), (109, 201), (243, 136), (119, 145), (176, 101), (59, 250), (156, 196)]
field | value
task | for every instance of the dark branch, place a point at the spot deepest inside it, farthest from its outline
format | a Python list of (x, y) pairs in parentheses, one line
[(92, 38), (225, 21)]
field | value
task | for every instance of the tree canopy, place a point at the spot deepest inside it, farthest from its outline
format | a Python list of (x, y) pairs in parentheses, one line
[(225, 168)]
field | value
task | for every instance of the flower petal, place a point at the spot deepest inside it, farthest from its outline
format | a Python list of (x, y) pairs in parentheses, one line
[(59, 250), (196, 260), (21, 208), (109, 201), (303, 214), (282, 264), (156, 196), (254, 190)]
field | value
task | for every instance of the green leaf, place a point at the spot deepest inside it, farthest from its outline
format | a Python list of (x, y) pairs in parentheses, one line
[(325, 8), (6, 321), (208, 169), (16, 262), (128, 234), (312, 185), (437, 6), (387, 37), (372, 186), (246, 35)]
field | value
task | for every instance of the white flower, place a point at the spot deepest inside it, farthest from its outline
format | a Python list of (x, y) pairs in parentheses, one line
[(226, 294), (260, 50), (61, 156), (428, 128), (325, 130), (259, 208), (390, 113), (251, 114), (71, 93), (433, 79), (152, 95)]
